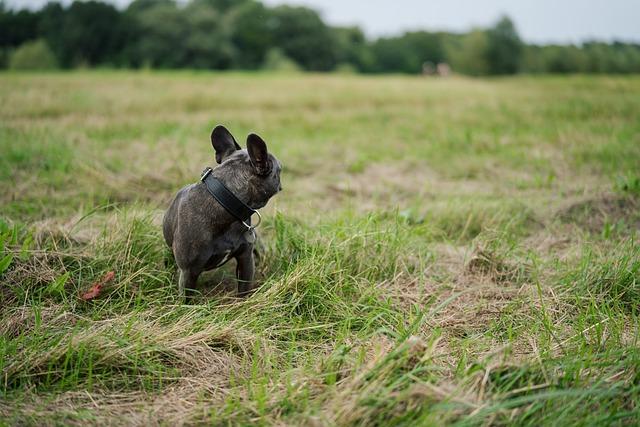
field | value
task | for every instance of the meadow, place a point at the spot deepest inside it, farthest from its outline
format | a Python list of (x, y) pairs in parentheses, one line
[(444, 251)]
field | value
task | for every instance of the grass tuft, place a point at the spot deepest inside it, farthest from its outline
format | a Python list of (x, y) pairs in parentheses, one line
[(444, 252)]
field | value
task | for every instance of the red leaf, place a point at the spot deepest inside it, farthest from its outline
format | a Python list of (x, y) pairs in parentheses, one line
[(92, 293), (95, 290)]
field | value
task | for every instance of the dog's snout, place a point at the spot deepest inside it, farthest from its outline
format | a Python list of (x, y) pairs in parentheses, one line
[(280, 187)]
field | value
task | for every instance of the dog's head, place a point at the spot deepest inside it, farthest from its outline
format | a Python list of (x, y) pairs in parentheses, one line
[(254, 170)]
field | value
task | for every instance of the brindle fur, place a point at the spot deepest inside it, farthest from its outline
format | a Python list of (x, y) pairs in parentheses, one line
[(201, 233)]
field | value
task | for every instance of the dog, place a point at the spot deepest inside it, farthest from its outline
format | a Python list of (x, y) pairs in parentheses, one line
[(204, 225)]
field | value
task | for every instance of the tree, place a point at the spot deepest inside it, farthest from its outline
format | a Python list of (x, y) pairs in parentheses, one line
[(33, 55), (275, 60), (251, 33), (408, 52), (162, 28), (52, 18), (17, 27), (93, 33), (352, 48), (169, 36), (532, 60), (138, 6), (220, 6), (207, 43), (504, 48), (223, 34), (303, 37), (426, 46), (389, 56), (469, 55)]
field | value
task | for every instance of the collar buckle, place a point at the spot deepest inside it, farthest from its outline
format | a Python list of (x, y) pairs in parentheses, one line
[(253, 227), (205, 173)]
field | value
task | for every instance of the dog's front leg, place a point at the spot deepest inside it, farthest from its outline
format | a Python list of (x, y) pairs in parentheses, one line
[(187, 280), (245, 270)]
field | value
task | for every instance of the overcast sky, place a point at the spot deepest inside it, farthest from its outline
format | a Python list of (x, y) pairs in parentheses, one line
[(539, 21)]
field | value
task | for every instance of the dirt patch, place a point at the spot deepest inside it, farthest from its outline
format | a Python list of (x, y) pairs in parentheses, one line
[(376, 187), (487, 262), (472, 303), (401, 181), (472, 290), (593, 214), (471, 287)]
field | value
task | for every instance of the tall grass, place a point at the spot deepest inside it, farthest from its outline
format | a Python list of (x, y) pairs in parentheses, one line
[(459, 252)]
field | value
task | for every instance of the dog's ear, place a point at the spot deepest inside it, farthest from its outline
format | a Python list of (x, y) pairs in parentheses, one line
[(223, 142), (258, 154)]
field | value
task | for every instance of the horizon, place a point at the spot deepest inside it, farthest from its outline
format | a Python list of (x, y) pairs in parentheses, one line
[(571, 22)]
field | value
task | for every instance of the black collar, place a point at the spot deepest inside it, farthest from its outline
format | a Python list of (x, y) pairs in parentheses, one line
[(226, 198)]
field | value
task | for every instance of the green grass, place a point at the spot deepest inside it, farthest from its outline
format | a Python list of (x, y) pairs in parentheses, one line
[(445, 251)]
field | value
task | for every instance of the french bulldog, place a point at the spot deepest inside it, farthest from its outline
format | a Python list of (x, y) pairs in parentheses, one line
[(201, 232)]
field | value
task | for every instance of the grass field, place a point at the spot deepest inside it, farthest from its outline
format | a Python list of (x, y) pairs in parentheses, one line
[(451, 251)]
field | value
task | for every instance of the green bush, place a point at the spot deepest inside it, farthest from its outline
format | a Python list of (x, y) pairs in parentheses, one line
[(33, 55), (276, 60)]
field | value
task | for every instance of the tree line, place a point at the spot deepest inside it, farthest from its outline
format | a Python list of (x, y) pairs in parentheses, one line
[(246, 34)]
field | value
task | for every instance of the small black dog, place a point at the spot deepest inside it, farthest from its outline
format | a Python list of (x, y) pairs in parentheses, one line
[(202, 233)]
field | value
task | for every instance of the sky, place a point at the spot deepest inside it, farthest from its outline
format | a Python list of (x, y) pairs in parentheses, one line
[(538, 21)]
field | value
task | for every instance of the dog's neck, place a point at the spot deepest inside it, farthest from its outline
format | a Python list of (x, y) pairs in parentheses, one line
[(242, 186)]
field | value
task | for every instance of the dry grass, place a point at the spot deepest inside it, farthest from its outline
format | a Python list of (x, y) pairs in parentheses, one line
[(451, 251)]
